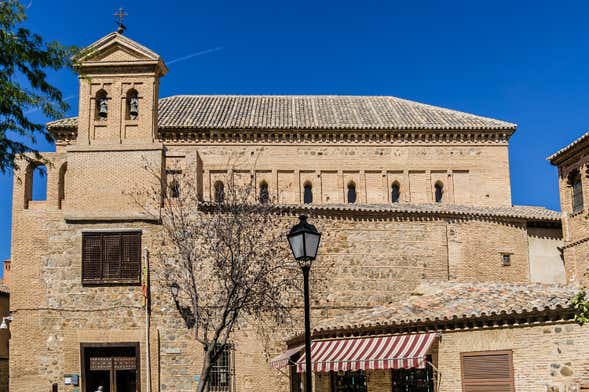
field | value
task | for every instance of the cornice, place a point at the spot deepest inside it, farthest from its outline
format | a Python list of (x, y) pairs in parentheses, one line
[(68, 135), (187, 136)]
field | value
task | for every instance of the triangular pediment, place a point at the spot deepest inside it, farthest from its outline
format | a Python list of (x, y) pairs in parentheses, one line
[(117, 48)]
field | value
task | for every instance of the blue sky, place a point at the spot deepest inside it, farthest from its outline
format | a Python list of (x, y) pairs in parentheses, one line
[(520, 61)]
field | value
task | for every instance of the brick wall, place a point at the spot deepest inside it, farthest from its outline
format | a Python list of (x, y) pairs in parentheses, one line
[(471, 174), (575, 225), (365, 260), (544, 356), (368, 261)]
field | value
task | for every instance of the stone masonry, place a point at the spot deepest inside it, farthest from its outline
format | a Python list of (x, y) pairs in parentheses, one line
[(375, 255)]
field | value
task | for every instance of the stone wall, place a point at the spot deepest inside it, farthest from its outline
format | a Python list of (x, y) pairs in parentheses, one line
[(365, 260)]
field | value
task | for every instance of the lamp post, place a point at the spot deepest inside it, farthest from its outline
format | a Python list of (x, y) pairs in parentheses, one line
[(174, 289), (303, 239)]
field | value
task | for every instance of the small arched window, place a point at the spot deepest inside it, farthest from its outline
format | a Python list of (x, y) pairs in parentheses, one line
[(439, 192), (61, 184), (101, 105), (40, 183), (174, 189), (351, 192), (35, 183), (219, 192), (264, 195), (132, 104), (307, 193), (576, 185), (395, 192)]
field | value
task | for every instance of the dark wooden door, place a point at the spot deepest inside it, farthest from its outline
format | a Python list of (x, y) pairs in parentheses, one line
[(115, 369)]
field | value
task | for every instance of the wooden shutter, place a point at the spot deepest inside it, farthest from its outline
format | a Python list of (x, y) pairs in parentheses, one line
[(112, 253), (131, 256), (91, 257), (111, 257), (488, 371)]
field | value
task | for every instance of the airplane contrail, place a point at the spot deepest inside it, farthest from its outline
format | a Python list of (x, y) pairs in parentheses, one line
[(37, 109), (189, 56)]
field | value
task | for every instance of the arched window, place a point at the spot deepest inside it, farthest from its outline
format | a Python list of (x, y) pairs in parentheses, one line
[(101, 105), (61, 184), (351, 192), (174, 189), (264, 194), (395, 192), (576, 185), (439, 192), (307, 193), (40, 183), (219, 192), (35, 183), (132, 104)]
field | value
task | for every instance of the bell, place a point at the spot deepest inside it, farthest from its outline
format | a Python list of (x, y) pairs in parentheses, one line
[(103, 108), (133, 108)]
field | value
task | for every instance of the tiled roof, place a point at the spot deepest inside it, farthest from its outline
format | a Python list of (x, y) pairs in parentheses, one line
[(443, 301), (68, 122), (515, 212), (560, 153), (308, 112)]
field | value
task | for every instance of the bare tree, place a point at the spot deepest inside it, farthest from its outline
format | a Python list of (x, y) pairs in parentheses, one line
[(228, 260)]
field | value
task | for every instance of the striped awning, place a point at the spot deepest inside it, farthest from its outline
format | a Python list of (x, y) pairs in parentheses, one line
[(383, 352), (282, 360)]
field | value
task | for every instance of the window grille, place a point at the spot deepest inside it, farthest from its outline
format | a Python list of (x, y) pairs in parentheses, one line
[(349, 381), (222, 371), (111, 257), (415, 380)]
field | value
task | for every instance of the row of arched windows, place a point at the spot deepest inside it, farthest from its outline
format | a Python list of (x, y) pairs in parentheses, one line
[(131, 110), (352, 196)]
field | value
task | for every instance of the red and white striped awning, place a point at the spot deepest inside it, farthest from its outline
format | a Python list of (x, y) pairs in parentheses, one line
[(385, 352), (282, 360)]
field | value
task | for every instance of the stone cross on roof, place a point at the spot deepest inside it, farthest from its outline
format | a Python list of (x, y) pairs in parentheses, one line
[(121, 16)]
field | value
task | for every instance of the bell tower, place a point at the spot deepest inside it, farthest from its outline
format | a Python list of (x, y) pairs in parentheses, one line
[(119, 83), (116, 151)]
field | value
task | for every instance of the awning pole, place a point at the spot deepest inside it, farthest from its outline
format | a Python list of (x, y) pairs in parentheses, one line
[(437, 374)]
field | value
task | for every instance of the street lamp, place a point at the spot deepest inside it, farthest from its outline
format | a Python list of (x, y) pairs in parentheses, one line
[(304, 239), (174, 289), (6, 322)]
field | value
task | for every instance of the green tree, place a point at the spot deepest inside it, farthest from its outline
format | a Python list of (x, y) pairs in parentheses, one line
[(24, 59)]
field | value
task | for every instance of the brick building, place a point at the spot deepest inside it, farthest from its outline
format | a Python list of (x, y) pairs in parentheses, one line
[(409, 197)]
